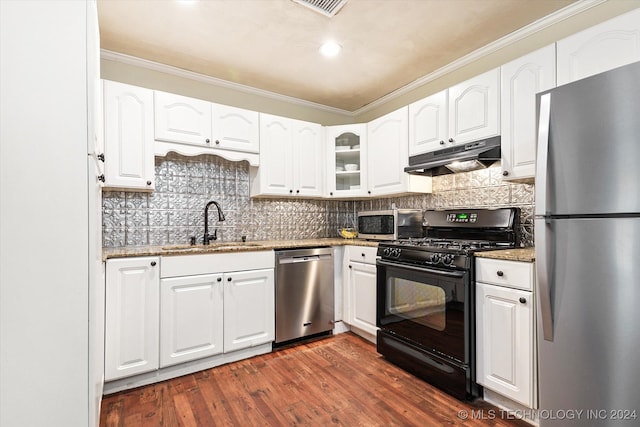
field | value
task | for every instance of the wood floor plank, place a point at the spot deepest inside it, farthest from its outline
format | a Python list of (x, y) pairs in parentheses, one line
[(339, 380)]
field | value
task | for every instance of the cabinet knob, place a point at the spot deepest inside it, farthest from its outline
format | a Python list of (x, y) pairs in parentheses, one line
[(207, 140), (101, 178), (217, 142), (229, 279), (350, 266), (101, 157), (153, 263), (505, 173), (441, 142), (331, 193), (500, 273), (522, 300), (148, 182), (219, 279), (362, 255), (297, 191), (451, 140), (290, 191), (369, 192)]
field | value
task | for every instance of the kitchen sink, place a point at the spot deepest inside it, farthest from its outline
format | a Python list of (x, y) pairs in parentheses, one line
[(221, 245)]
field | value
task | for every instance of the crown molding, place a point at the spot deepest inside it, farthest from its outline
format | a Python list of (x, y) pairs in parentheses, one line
[(191, 75), (534, 27), (539, 25)]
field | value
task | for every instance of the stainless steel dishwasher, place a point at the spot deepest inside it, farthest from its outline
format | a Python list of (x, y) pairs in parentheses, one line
[(304, 293)]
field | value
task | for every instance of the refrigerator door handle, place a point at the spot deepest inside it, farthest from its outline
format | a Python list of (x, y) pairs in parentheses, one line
[(543, 251), (543, 153)]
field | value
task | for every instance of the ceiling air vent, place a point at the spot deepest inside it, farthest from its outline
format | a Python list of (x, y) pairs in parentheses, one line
[(326, 7)]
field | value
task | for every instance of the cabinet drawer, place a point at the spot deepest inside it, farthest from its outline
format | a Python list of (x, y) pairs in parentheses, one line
[(363, 254), (512, 274)]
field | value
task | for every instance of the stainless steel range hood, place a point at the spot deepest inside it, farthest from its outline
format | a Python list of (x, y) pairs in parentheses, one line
[(461, 158)]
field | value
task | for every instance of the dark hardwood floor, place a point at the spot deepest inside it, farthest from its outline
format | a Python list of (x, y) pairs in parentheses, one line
[(338, 380)]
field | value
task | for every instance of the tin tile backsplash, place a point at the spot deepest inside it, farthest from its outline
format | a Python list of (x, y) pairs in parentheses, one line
[(175, 210)]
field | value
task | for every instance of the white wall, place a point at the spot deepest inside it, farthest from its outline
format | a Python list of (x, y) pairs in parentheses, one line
[(43, 214)]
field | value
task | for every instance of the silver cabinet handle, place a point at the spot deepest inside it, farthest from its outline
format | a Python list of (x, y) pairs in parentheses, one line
[(543, 280)]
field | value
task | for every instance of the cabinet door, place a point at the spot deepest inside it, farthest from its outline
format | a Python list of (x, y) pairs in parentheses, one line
[(388, 153), (505, 341), (521, 80), (346, 159), (362, 286), (609, 45), (128, 136), (428, 124), (191, 321), (131, 316), (276, 174), (308, 159), (182, 119), (235, 129), (249, 316), (474, 108)]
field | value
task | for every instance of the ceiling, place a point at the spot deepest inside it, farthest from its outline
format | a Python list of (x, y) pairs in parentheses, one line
[(273, 45)]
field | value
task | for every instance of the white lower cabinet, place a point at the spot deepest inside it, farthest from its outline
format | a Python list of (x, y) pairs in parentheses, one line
[(131, 316), (505, 340), (168, 316), (248, 309), (360, 280), (191, 320)]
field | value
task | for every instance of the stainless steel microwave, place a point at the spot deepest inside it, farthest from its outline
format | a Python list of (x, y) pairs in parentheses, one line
[(391, 224)]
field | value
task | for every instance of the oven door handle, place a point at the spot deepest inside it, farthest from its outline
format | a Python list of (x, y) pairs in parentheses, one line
[(457, 274)]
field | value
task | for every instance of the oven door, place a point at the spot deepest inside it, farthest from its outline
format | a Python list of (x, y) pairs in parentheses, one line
[(425, 306)]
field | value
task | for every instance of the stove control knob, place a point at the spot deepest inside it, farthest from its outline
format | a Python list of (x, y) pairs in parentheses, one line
[(386, 252), (447, 259), (396, 252), (434, 258)]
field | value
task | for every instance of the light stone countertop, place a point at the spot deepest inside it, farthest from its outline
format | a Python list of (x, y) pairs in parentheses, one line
[(228, 247), (523, 254)]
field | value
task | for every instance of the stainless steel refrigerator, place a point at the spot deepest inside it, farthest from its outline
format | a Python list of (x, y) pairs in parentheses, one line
[(587, 235)]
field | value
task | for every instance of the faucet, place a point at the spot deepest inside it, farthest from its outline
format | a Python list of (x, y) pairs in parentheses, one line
[(207, 237)]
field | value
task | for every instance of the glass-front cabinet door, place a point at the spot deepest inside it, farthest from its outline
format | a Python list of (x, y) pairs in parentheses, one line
[(347, 175)]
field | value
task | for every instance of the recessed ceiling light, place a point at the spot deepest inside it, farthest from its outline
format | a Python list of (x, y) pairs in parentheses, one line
[(330, 48)]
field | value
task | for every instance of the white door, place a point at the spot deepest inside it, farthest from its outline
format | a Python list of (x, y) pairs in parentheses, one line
[(191, 318), (521, 80), (388, 153), (249, 305), (276, 174), (131, 316), (308, 159), (346, 160), (505, 341), (362, 285), (128, 136), (235, 129), (609, 45), (182, 119), (474, 108), (428, 123)]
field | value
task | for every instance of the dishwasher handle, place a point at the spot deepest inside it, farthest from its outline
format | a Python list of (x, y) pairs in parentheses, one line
[(303, 258)]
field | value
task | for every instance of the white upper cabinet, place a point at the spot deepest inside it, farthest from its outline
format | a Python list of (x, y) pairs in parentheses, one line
[(347, 160), (192, 126), (474, 108), (521, 80), (128, 136), (308, 159), (182, 119), (609, 45), (388, 153), (291, 159), (235, 129), (428, 124)]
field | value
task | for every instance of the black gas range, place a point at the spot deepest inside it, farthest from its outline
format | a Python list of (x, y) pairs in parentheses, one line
[(426, 294)]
